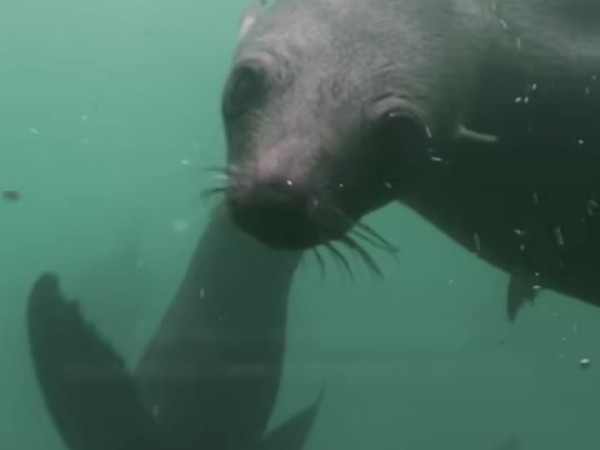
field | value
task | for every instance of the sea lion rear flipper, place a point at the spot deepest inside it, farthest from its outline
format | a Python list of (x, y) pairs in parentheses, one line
[(89, 393), (292, 434)]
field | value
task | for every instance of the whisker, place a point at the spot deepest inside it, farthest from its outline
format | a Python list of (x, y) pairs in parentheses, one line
[(369, 261), (391, 250), (207, 194), (368, 234), (226, 170), (383, 241), (340, 258), (217, 169)]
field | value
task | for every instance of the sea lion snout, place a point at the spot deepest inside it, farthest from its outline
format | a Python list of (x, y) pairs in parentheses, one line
[(281, 213)]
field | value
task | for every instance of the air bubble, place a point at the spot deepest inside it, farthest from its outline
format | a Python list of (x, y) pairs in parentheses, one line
[(585, 363)]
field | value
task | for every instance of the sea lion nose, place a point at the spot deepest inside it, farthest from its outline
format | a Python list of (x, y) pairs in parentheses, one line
[(278, 209), (279, 200), (282, 193)]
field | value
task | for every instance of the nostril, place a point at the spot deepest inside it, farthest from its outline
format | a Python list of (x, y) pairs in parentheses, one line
[(282, 193), (276, 209)]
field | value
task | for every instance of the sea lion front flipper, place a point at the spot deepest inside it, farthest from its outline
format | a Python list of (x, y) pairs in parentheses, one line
[(292, 434), (521, 287), (89, 393)]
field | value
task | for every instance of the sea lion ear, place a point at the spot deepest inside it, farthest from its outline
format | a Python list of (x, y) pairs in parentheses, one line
[(250, 16)]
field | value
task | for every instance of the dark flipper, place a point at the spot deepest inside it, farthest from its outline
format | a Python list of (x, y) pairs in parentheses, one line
[(521, 287), (292, 434), (87, 388)]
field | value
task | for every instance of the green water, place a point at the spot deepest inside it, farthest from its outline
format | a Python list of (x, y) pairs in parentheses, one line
[(109, 112)]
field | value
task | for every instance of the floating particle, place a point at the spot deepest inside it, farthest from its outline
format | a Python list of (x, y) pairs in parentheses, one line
[(477, 243), (504, 24), (451, 281), (388, 185), (575, 328), (185, 162), (436, 159), (289, 182), (536, 287), (518, 100), (84, 117), (155, 411), (428, 132), (34, 131), (202, 292), (563, 340), (585, 363), (592, 207), (11, 195), (181, 226), (520, 233), (580, 142), (559, 236), (536, 199)]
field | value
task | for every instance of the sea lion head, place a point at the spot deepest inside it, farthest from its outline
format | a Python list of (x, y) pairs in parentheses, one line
[(330, 108)]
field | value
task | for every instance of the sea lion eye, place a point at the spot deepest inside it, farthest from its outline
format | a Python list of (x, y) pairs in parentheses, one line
[(244, 89), (398, 133), (393, 127)]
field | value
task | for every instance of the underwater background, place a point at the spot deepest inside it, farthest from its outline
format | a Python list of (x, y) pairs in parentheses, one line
[(109, 116)]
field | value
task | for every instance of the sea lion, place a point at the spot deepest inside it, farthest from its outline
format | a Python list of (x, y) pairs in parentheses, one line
[(482, 116), (479, 115)]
